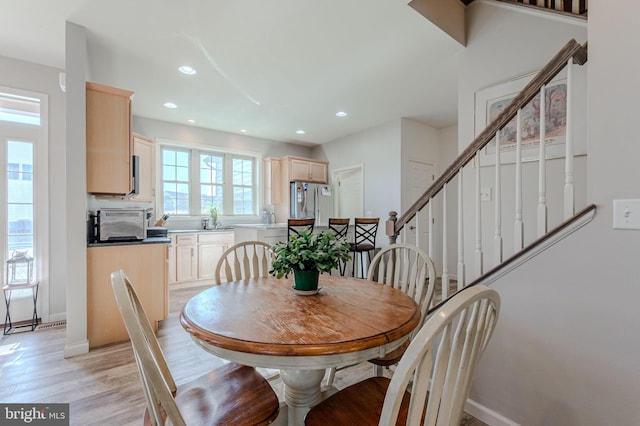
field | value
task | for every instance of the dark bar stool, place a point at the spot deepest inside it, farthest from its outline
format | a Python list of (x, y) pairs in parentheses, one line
[(294, 226), (365, 241), (339, 226)]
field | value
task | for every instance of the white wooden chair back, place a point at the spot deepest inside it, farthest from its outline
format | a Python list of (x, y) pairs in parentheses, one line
[(157, 381), (441, 359), (406, 267), (249, 259)]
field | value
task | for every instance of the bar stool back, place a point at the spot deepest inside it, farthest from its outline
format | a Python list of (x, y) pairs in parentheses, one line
[(365, 240), (339, 226), (294, 226)]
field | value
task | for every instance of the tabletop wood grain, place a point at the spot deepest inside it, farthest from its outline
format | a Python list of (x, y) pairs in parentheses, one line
[(265, 316)]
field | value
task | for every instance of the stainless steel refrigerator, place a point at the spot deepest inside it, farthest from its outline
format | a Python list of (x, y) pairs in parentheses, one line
[(311, 200)]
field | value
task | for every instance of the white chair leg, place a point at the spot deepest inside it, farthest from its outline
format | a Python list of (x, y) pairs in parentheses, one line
[(331, 376), (378, 370)]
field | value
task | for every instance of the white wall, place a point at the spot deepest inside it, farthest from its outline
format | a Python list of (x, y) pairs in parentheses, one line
[(378, 150), (200, 136), (565, 348)]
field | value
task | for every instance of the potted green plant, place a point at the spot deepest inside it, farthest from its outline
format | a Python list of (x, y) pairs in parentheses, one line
[(307, 255)]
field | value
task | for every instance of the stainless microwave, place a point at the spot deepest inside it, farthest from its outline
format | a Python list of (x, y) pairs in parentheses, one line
[(121, 224)]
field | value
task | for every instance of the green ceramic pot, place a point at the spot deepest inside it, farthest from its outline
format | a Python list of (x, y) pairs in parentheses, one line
[(306, 280)]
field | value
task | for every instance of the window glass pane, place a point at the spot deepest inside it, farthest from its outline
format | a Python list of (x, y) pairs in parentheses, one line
[(211, 196), (242, 200), (19, 109), (175, 181), (20, 196), (242, 171)]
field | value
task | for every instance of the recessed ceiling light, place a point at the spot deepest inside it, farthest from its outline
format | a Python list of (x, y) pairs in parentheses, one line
[(170, 105), (186, 69), (300, 132), (341, 114), (191, 120), (243, 130)]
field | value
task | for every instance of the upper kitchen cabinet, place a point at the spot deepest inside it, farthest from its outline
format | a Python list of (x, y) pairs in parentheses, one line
[(144, 149), (273, 187), (307, 170), (109, 142)]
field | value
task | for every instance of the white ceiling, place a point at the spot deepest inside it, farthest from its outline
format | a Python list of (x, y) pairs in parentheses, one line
[(270, 67)]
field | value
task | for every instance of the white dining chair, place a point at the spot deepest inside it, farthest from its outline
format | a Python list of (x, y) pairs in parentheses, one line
[(410, 270), (230, 394), (248, 259), (438, 366)]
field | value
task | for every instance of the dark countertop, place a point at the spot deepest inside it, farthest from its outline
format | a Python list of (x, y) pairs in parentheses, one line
[(154, 240)]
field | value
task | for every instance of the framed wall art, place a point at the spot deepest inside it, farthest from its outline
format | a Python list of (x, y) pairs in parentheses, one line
[(490, 102)]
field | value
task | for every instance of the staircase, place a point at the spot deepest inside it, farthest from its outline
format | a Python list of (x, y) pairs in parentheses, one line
[(542, 189), (574, 7)]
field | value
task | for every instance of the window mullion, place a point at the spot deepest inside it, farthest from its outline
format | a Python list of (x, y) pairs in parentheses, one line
[(194, 178)]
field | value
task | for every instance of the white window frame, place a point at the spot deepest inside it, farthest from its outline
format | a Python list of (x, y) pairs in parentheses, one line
[(22, 305), (194, 178)]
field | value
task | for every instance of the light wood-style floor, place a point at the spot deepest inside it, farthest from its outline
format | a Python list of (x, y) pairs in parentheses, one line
[(103, 386)]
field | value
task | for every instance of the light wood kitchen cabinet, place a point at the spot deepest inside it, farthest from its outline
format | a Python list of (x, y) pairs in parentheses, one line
[(195, 255), (273, 184), (211, 246), (307, 170), (108, 140), (146, 266), (186, 258), (144, 148)]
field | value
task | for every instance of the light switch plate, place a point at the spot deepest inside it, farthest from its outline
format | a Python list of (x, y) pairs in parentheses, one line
[(626, 214)]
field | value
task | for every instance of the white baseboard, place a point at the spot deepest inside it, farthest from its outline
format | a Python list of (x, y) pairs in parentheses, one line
[(76, 349), (487, 415), (58, 317)]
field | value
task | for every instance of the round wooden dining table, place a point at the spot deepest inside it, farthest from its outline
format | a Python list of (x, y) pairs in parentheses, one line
[(263, 322)]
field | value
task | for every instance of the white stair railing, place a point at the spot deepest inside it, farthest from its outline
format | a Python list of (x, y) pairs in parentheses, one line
[(571, 55)]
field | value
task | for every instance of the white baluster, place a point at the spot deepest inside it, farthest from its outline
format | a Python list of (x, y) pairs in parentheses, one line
[(418, 220), (478, 251), (497, 236), (445, 238), (569, 197), (431, 236), (542, 168), (460, 272), (518, 227)]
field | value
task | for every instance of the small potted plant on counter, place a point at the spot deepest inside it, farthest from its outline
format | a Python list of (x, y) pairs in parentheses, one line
[(307, 255)]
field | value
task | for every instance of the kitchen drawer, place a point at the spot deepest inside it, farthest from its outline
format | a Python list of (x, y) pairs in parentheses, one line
[(215, 237), (186, 239), (278, 232)]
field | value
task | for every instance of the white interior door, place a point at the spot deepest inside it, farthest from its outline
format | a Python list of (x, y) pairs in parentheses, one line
[(349, 189), (421, 176)]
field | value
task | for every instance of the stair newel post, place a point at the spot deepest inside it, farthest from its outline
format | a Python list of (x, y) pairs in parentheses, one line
[(497, 236), (460, 272), (390, 227), (445, 247), (518, 231), (542, 165), (569, 200), (431, 236)]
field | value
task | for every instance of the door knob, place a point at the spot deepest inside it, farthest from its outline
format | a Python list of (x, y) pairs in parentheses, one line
[(411, 228)]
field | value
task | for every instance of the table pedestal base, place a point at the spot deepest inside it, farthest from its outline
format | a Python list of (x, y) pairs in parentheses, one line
[(301, 392)]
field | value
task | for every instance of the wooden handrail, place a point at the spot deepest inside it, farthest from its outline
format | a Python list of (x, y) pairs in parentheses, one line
[(572, 49)]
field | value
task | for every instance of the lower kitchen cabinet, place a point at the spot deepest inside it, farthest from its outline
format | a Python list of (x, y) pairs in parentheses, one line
[(194, 256), (186, 260), (211, 246), (146, 266)]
